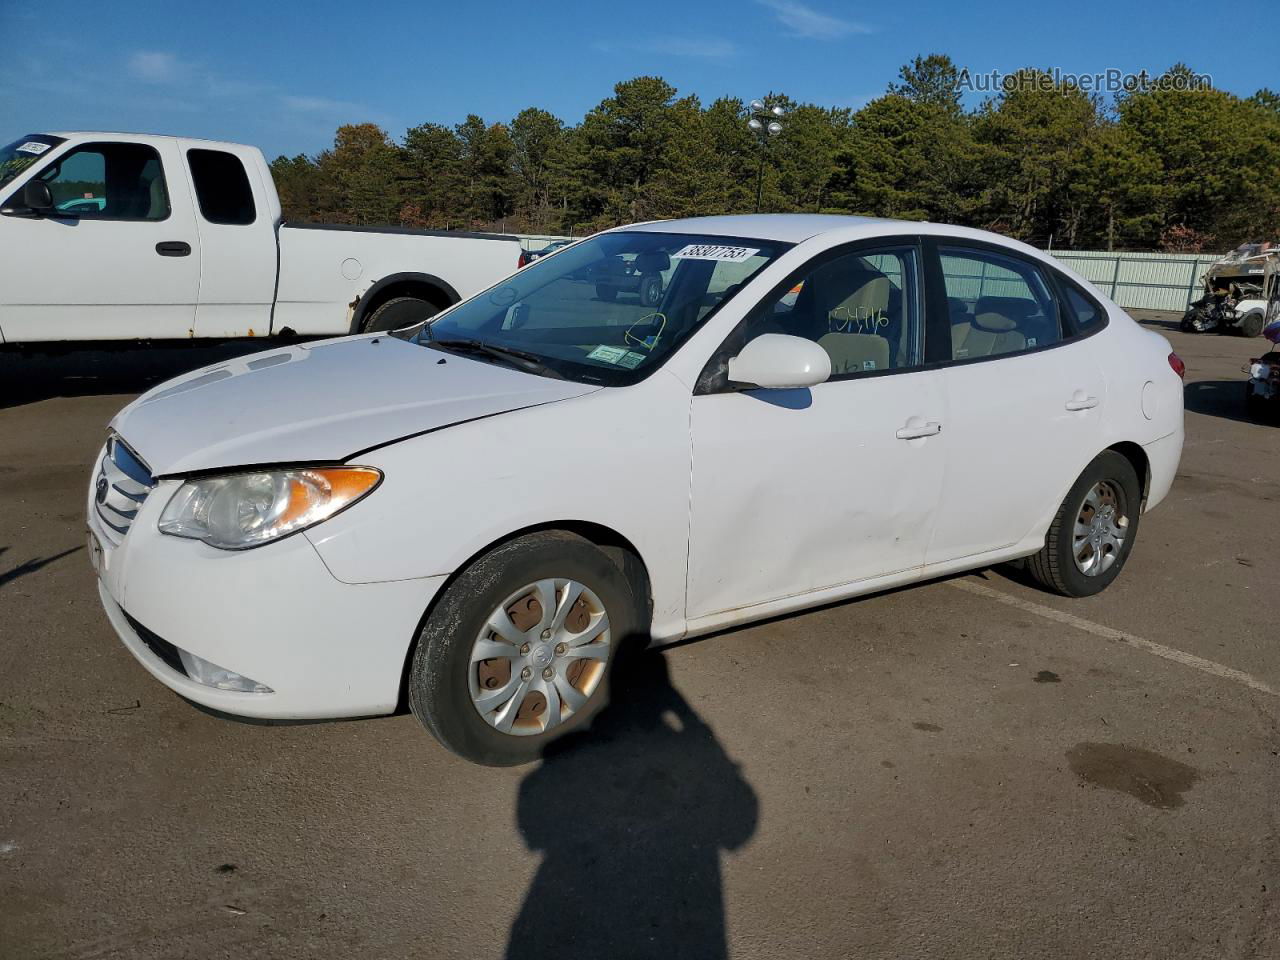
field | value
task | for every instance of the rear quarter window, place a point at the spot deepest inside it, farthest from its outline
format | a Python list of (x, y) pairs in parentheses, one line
[(222, 187)]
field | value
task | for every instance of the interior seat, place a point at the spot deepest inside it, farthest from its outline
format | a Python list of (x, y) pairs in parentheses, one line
[(994, 329)]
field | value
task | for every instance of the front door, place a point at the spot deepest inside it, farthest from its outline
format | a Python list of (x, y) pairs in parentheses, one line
[(797, 490), (118, 259)]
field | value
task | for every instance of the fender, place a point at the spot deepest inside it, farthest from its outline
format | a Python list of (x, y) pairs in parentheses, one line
[(370, 296)]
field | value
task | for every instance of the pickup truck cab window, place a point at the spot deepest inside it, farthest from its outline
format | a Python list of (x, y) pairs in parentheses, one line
[(127, 179), (222, 187)]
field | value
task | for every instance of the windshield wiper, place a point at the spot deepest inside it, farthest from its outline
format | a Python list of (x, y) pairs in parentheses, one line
[(521, 359)]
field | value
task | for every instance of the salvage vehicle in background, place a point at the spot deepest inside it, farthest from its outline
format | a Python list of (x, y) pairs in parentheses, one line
[(119, 236), (478, 512), (1241, 292)]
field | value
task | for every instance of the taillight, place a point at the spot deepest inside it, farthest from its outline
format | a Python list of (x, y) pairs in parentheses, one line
[(524, 260), (1179, 367)]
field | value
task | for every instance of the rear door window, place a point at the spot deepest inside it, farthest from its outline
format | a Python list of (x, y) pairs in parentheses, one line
[(997, 304), (222, 187)]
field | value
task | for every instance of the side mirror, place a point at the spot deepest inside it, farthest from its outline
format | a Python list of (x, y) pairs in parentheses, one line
[(33, 200), (776, 361)]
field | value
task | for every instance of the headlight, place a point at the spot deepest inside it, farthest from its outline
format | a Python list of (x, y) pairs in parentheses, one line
[(1260, 371), (249, 509)]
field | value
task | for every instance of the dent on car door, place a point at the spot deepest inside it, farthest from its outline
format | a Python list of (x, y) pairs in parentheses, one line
[(120, 267), (798, 490), (1024, 394)]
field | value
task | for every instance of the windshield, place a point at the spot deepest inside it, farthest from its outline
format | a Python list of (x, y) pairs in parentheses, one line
[(609, 310), (20, 154)]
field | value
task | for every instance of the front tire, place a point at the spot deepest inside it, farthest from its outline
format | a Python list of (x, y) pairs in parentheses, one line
[(520, 648), (1251, 326), (650, 290), (1094, 530), (606, 292)]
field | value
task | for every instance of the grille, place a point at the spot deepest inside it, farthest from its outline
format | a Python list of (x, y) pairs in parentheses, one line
[(120, 488)]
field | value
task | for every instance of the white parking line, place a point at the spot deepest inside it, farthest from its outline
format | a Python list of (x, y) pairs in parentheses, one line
[(1119, 636)]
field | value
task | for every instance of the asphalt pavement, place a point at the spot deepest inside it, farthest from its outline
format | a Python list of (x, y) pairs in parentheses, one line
[(967, 768)]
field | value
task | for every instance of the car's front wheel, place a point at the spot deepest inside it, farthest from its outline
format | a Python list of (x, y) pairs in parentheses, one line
[(1094, 530), (519, 649)]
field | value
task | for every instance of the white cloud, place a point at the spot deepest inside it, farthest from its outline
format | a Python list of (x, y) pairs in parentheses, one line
[(154, 66), (303, 104), (710, 48), (804, 21)]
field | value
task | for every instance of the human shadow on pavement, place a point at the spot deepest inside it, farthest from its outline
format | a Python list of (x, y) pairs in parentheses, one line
[(631, 817)]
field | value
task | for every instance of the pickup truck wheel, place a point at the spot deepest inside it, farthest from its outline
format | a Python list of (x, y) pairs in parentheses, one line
[(605, 292), (399, 312), (650, 290), (519, 649)]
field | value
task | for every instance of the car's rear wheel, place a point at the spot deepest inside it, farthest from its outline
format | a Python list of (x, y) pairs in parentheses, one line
[(606, 292), (1094, 530), (399, 312), (519, 649)]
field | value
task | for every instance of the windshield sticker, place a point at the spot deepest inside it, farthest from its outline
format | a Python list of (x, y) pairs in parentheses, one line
[(33, 146), (617, 356), (715, 251)]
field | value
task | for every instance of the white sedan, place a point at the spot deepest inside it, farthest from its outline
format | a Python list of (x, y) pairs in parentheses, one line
[(472, 516)]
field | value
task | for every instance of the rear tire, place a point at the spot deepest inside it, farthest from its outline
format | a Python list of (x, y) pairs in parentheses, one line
[(446, 679), (398, 312), (605, 292), (1058, 566)]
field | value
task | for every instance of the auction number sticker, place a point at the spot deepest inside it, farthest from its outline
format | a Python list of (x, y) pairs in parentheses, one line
[(716, 251), (33, 146)]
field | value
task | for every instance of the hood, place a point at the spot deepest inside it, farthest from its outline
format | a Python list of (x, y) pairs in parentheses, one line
[(320, 402)]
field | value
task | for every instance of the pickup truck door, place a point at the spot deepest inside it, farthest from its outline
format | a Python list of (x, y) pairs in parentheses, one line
[(236, 214), (119, 258)]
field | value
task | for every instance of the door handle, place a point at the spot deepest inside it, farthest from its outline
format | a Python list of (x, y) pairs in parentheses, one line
[(916, 429), (173, 248), (1081, 402)]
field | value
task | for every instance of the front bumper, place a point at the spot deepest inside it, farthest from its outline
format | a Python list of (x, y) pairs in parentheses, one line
[(274, 613)]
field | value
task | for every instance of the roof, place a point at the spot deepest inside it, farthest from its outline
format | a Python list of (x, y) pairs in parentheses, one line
[(110, 134), (787, 227)]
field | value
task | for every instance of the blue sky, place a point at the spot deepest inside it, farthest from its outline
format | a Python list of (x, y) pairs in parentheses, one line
[(283, 75)]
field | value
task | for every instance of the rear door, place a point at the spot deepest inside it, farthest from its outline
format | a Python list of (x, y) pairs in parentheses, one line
[(1024, 399), (117, 260), (235, 217)]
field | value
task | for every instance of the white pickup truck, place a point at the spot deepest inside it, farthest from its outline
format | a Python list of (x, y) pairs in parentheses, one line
[(109, 236)]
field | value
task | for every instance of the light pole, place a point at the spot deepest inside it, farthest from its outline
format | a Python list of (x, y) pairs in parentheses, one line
[(763, 122)]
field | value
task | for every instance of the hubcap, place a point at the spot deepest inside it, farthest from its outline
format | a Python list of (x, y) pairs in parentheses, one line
[(1100, 529), (539, 657)]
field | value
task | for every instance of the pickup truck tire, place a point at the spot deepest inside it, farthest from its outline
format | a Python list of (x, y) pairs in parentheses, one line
[(399, 312), (650, 290), (605, 292)]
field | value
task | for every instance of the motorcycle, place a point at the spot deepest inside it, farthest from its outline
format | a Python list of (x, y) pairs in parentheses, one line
[(1262, 392)]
